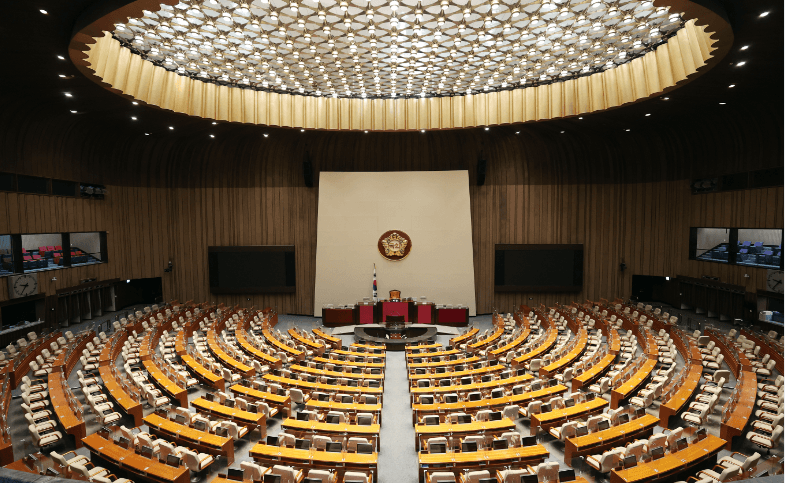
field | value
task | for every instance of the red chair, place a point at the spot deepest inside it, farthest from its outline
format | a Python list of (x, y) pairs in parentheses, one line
[(58, 247)]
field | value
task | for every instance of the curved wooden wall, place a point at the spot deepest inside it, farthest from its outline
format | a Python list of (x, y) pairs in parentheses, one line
[(704, 41)]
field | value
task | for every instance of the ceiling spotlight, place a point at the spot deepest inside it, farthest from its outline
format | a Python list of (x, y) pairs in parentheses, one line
[(722, 103), (732, 85), (665, 98), (45, 12), (564, 132), (627, 130), (266, 135), (170, 127), (211, 135), (73, 112), (580, 118), (518, 132), (760, 16), (366, 132), (148, 134), (134, 103), (648, 114), (61, 57), (741, 64), (67, 94), (486, 129), (745, 47), (214, 123), (301, 130), (61, 75), (422, 130), (134, 118)]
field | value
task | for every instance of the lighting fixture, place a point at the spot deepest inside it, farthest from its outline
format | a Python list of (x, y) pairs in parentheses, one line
[(422, 130), (563, 132), (45, 12), (214, 123), (648, 115), (627, 130), (580, 118), (665, 98), (61, 75), (266, 135), (134, 118), (134, 103), (147, 134), (732, 85), (518, 132), (722, 103), (761, 16), (486, 129), (745, 47), (170, 127), (741, 64), (67, 94), (238, 47), (61, 57), (211, 135), (73, 112)]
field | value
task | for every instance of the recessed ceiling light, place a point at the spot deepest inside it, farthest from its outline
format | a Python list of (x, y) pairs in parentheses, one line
[(61, 75), (665, 98), (366, 132), (627, 130), (745, 47), (147, 134), (73, 112), (214, 124), (761, 16), (732, 85), (211, 135), (134, 103), (486, 129), (580, 118), (266, 135), (722, 103), (134, 118), (648, 114), (518, 132), (170, 127), (422, 130), (562, 132), (61, 57), (45, 12), (67, 94), (741, 64), (301, 130)]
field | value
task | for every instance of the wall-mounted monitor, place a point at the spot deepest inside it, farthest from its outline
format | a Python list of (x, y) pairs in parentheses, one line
[(752, 247), (252, 269), (538, 268)]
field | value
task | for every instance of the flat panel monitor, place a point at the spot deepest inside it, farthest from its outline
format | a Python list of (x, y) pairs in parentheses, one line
[(545, 408), (569, 402), (221, 432), (426, 400), (437, 448), (466, 419), (496, 416), (603, 425), (521, 371), (302, 444), (180, 418), (124, 441), (311, 378), (199, 425), (529, 479), (623, 418), (499, 444), (538, 268), (357, 370), (486, 378), (229, 403), (528, 441), (334, 447), (233, 473), (272, 441), (347, 399), (566, 475), (440, 370), (444, 382), (174, 460), (431, 420), (657, 452), (639, 413), (365, 448), (451, 398), (469, 447), (630, 461), (271, 478), (352, 383), (252, 269), (582, 431), (302, 416), (466, 381), (324, 397), (590, 396), (147, 451), (333, 419)]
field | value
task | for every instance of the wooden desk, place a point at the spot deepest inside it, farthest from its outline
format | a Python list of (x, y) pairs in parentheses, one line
[(414, 354), (614, 341), (283, 403), (225, 358), (345, 353), (768, 347), (205, 375), (460, 430), (121, 397), (170, 388), (557, 417), (354, 408), (601, 441), (22, 367), (538, 351), (369, 347), (241, 339), (457, 341), (493, 384), (569, 358), (670, 464), (326, 429), (180, 434), (73, 423), (736, 420), (469, 407), (682, 396), (467, 360), (290, 351), (306, 342), (369, 365), (466, 372), (242, 418), (147, 469), (530, 455), (593, 373), (333, 342), (317, 386), (422, 347), (336, 374), (312, 459), (476, 346), (511, 345), (633, 384)]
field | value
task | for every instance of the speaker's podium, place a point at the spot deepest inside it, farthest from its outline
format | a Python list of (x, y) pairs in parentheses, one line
[(409, 310)]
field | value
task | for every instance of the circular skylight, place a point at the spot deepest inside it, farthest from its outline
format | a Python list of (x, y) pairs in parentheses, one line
[(395, 48)]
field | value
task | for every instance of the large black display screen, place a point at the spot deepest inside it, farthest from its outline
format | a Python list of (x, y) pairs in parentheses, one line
[(538, 268), (252, 269)]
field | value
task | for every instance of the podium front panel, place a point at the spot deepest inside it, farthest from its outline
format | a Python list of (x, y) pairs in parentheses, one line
[(424, 313), (395, 308)]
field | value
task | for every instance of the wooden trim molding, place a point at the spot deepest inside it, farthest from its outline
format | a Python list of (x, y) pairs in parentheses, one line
[(703, 42)]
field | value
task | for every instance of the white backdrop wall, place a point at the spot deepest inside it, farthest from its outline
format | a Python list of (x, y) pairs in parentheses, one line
[(432, 207)]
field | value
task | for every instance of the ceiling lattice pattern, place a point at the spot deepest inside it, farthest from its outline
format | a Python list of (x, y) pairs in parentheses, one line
[(395, 48)]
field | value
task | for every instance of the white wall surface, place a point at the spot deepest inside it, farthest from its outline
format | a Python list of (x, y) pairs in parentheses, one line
[(432, 207)]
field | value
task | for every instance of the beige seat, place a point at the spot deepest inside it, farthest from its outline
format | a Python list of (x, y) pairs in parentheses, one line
[(605, 462), (287, 474)]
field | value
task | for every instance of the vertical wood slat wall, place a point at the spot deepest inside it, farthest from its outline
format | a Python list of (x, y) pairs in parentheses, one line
[(645, 225)]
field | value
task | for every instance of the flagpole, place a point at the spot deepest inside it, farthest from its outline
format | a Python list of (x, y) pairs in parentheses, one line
[(376, 292)]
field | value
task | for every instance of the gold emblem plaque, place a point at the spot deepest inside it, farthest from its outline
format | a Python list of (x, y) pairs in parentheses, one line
[(394, 245)]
